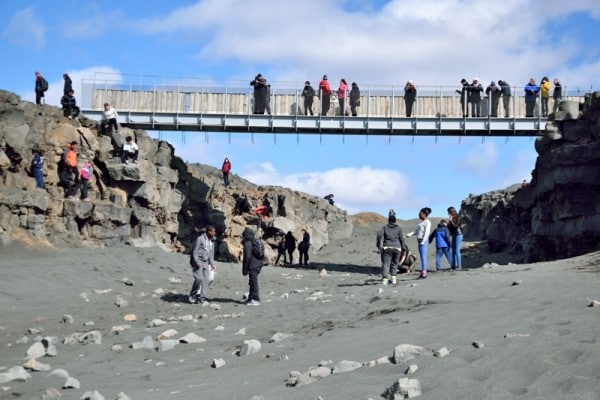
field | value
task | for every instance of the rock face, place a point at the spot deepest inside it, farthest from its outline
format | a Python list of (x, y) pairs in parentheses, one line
[(556, 215), (159, 200)]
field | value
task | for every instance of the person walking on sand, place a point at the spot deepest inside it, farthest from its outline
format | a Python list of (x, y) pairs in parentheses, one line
[(290, 246), (423, 230), (443, 240), (455, 228), (389, 243), (251, 266), (304, 246), (202, 261)]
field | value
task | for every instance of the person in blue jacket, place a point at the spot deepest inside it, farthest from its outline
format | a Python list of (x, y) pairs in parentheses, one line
[(37, 168), (443, 240), (531, 94)]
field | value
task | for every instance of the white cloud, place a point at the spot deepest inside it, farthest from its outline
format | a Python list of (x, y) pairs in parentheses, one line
[(355, 188), (481, 160), (26, 30)]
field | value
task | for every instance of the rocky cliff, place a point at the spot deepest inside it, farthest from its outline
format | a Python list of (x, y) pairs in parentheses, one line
[(557, 214), (158, 201)]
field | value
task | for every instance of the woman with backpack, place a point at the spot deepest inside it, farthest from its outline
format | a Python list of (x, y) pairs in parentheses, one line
[(225, 168)]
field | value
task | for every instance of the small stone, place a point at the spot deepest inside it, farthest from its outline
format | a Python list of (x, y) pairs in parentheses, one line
[(191, 338), (34, 365), (121, 302), (93, 337), (67, 319), (218, 363), (319, 372), (346, 366), (168, 334), (17, 373), (89, 395), (69, 340), (159, 291), (187, 317), (22, 340), (85, 297), (128, 281), (284, 296), (71, 383), (412, 369), (36, 350), (88, 323), (117, 329), (51, 393), (404, 388), (169, 344), (59, 372), (406, 352), (220, 328), (380, 290), (156, 322), (593, 303), (174, 280), (102, 291), (251, 346), (130, 318), (478, 345), (146, 343), (279, 336), (516, 335), (241, 332), (116, 347), (214, 306), (323, 273), (122, 396), (441, 352), (515, 283)]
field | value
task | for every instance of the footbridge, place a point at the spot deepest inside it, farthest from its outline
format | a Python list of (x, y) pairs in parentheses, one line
[(202, 105)]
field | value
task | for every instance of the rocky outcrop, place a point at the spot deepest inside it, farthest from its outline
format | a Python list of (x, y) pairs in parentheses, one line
[(557, 214), (160, 200)]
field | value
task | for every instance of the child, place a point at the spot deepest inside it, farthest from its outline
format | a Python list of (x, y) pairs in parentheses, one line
[(86, 175), (442, 243), (422, 233), (130, 150)]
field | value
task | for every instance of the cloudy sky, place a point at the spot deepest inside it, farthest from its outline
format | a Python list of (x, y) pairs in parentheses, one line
[(432, 42)]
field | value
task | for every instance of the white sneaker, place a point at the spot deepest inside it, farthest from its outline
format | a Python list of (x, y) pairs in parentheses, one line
[(253, 303), (394, 282), (385, 282)]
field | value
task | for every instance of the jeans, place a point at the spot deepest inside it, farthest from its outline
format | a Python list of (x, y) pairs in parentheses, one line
[(442, 251), (423, 255), (545, 106), (456, 259), (39, 177), (308, 107), (85, 187), (253, 282), (226, 178)]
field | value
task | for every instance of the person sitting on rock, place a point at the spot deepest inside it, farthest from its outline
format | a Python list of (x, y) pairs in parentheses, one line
[(109, 118), (329, 198), (69, 104), (267, 204), (261, 211), (130, 150)]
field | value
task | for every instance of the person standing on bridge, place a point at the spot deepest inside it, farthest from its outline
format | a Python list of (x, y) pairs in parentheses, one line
[(260, 94), (410, 95), (464, 97), (545, 87), (354, 99), (109, 117), (531, 94), (505, 89), (342, 93), (494, 94), (475, 91), (556, 95), (325, 95), (309, 95)]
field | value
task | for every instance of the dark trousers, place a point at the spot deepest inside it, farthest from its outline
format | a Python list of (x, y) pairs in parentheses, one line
[(506, 104), (71, 189), (342, 106), (390, 259), (111, 122), (127, 155), (38, 97), (494, 111), (279, 254), (545, 106), (38, 173), (353, 109), (303, 254), (325, 104), (529, 109), (253, 282), (409, 106), (71, 111), (308, 107), (476, 108), (226, 178), (291, 255), (85, 187)]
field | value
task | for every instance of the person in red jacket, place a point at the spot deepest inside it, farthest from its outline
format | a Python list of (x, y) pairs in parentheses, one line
[(325, 95), (225, 169)]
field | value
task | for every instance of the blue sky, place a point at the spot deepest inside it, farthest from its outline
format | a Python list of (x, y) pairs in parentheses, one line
[(432, 42)]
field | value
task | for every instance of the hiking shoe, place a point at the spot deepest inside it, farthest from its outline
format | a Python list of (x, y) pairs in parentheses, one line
[(193, 300), (394, 281), (422, 276), (253, 303), (385, 282)]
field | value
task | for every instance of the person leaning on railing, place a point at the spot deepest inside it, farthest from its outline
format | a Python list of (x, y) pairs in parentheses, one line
[(505, 89), (556, 95)]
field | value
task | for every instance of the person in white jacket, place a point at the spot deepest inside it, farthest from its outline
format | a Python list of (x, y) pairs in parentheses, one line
[(109, 117), (423, 230)]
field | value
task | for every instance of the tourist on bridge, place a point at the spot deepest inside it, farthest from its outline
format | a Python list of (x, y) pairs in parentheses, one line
[(475, 93), (410, 95), (68, 83), (545, 87), (309, 95), (531, 94), (268, 98), (109, 118), (464, 97), (260, 94), (556, 95), (325, 95), (505, 89), (354, 99), (342, 93), (493, 92)]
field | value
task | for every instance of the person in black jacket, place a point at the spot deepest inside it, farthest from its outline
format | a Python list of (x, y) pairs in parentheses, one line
[(410, 95), (556, 95), (260, 94), (354, 98), (69, 104), (494, 94), (475, 90), (251, 267), (465, 98), (41, 85), (304, 246), (505, 89), (309, 95), (389, 243), (290, 245), (68, 84)]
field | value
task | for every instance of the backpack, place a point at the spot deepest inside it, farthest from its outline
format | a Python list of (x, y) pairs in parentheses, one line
[(44, 84), (258, 249)]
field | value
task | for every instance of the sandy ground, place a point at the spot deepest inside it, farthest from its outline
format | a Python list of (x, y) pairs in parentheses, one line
[(541, 340)]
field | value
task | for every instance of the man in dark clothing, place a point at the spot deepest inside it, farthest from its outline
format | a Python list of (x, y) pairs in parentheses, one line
[(70, 109), (475, 96), (531, 94), (251, 267), (410, 95), (464, 98), (68, 84), (329, 198), (389, 243), (494, 94), (303, 247), (70, 181), (290, 245), (354, 99), (260, 94), (325, 95), (505, 89), (309, 95), (556, 95), (41, 85)]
